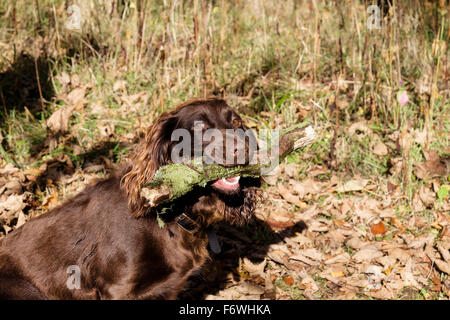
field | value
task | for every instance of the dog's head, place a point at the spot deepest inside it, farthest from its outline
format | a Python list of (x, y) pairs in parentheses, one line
[(208, 128)]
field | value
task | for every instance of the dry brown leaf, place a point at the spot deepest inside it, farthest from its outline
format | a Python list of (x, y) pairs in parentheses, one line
[(319, 225), (400, 254), (278, 256), (289, 197), (432, 167), (8, 169), (289, 281), (420, 137), (64, 78), (383, 293), (310, 256), (230, 293), (427, 196), (346, 207), (304, 259), (21, 219), (387, 261), (76, 97), (275, 224), (378, 228), (291, 169), (59, 120), (336, 236), (302, 240), (307, 186), (51, 201), (444, 251), (356, 243), (317, 170), (309, 285), (417, 203), (419, 242), (248, 288), (356, 184), (337, 273), (11, 187), (367, 254), (340, 258), (443, 266), (380, 149), (11, 207), (272, 178), (408, 276)]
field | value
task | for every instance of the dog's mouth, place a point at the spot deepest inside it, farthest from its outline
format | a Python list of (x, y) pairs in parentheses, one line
[(227, 184)]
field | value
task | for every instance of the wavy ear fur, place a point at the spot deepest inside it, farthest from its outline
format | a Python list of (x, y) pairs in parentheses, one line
[(150, 154)]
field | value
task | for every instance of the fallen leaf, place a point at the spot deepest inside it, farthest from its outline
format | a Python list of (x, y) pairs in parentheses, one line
[(367, 255), (289, 281), (378, 228), (443, 266), (291, 169), (11, 207), (383, 293), (278, 256), (380, 149), (356, 184), (396, 223), (230, 293), (340, 258), (249, 288), (289, 197), (21, 219), (408, 276), (309, 285), (337, 274), (278, 225), (59, 120), (432, 167), (75, 98), (310, 256), (8, 169), (64, 78)]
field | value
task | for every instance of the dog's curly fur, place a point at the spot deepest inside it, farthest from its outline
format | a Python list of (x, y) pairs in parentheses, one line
[(110, 233)]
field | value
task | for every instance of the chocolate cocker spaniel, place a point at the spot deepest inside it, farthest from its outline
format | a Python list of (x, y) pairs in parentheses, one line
[(106, 243)]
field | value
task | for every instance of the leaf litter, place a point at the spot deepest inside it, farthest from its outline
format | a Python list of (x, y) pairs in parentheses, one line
[(358, 242)]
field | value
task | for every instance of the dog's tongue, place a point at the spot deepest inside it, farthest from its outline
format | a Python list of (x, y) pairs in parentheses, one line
[(230, 183)]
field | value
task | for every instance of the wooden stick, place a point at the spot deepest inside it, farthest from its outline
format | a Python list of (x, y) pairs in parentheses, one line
[(175, 180)]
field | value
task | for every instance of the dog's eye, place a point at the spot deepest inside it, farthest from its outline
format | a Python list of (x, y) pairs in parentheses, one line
[(237, 122)]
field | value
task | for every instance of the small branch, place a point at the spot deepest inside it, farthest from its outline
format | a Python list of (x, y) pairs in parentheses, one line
[(174, 180)]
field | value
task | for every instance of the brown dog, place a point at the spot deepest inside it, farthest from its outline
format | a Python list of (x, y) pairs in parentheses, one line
[(110, 239)]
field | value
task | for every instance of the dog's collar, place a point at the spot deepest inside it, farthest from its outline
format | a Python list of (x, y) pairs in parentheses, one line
[(186, 223)]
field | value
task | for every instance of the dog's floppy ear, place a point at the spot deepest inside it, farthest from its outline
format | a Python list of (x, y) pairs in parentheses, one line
[(151, 153)]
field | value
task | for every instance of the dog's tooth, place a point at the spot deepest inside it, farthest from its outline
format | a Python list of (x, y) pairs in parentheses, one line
[(231, 183)]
